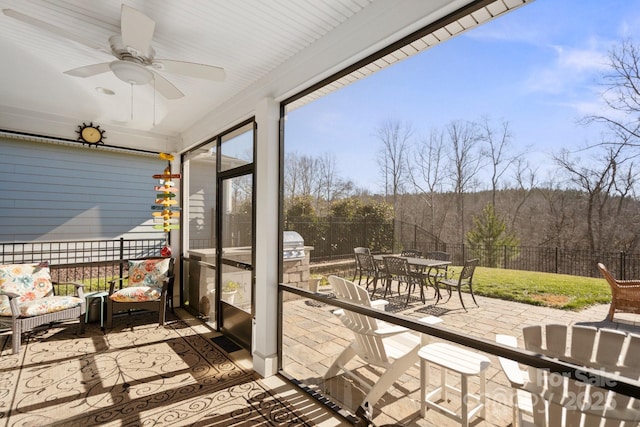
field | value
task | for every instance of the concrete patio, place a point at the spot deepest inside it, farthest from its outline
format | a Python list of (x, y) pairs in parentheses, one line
[(313, 338)]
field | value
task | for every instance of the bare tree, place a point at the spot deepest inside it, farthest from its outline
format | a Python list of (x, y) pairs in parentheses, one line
[(526, 182), (465, 159), (426, 172), (331, 185), (562, 223), (497, 151), (622, 95), (301, 176), (291, 173), (392, 157), (600, 181)]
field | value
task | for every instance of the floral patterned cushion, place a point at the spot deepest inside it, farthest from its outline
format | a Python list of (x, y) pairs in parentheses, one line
[(30, 281), (146, 278), (137, 294), (46, 305), (148, 272)]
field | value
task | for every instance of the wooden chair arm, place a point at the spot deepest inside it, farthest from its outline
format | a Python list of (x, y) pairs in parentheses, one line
[(510, 367), (389, 330), (112, 284), (379, 304), (166, 283)]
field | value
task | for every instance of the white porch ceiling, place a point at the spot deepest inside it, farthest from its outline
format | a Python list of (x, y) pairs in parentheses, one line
[(267, 48)]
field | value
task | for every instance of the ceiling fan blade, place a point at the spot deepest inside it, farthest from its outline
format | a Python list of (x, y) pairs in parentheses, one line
[(165, 87), (190, 69), (51, 28), (89, 70), (137, 30)]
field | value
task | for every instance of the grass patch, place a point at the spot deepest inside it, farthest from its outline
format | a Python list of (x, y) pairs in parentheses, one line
[(545, 289), (90, 285)]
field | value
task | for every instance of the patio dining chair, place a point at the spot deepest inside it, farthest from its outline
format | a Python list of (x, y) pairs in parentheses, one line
[(464, 279), (356, 251), (439, 255), (437, 273), (398, 269), (411, 253), (370, 269)]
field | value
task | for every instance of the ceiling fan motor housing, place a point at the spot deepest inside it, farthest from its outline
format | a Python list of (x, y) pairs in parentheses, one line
[(129, 54)]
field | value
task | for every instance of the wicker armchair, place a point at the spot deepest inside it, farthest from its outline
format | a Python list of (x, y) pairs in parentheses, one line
[(28, 300), (625, 294)]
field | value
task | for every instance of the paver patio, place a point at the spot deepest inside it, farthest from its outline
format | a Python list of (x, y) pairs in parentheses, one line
[(313, 338)]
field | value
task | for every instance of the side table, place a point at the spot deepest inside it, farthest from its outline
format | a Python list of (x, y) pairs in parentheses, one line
[(91, 296), (429, 320), (461, 361)]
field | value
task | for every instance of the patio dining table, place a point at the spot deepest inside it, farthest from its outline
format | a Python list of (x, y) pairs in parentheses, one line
[(423, 266)]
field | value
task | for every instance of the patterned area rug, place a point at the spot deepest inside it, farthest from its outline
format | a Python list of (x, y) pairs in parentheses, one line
[(136, 374)]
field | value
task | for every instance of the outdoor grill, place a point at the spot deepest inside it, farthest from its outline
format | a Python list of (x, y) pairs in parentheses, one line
[(292, 245)]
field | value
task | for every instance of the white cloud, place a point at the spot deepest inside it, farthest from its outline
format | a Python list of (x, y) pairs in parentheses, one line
[(583, 60), (586, 107), (569, 67)]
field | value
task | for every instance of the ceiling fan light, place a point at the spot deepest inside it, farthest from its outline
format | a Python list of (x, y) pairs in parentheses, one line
[(130, 72)]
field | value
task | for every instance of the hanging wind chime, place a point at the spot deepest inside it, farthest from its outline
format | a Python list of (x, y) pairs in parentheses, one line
[(166, 212)]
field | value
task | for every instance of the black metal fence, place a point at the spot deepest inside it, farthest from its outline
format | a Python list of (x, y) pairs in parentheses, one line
[(335, 238), (549, 260), (573, 262)]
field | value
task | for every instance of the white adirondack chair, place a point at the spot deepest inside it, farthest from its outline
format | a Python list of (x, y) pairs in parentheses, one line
[(341, 290), (551, 399), (391, 347)]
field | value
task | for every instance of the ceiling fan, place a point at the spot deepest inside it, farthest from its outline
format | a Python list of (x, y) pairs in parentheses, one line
[(135, 58)]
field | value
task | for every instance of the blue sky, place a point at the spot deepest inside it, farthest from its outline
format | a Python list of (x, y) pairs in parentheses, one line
[(538, 67)]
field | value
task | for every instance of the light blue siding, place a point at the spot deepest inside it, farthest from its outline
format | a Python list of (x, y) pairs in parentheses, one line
[(57, 192)]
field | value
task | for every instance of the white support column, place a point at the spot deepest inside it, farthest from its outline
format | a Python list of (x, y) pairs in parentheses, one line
[(265, 342), (174, 235)]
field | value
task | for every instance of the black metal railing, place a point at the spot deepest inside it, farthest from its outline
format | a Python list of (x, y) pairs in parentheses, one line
[(92, 262), (88, 257)]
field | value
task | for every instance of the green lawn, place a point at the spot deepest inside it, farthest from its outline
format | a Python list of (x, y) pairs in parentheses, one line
[(546, 289)]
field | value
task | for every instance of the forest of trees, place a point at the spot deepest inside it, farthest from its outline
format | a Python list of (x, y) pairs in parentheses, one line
[(444, 182)]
